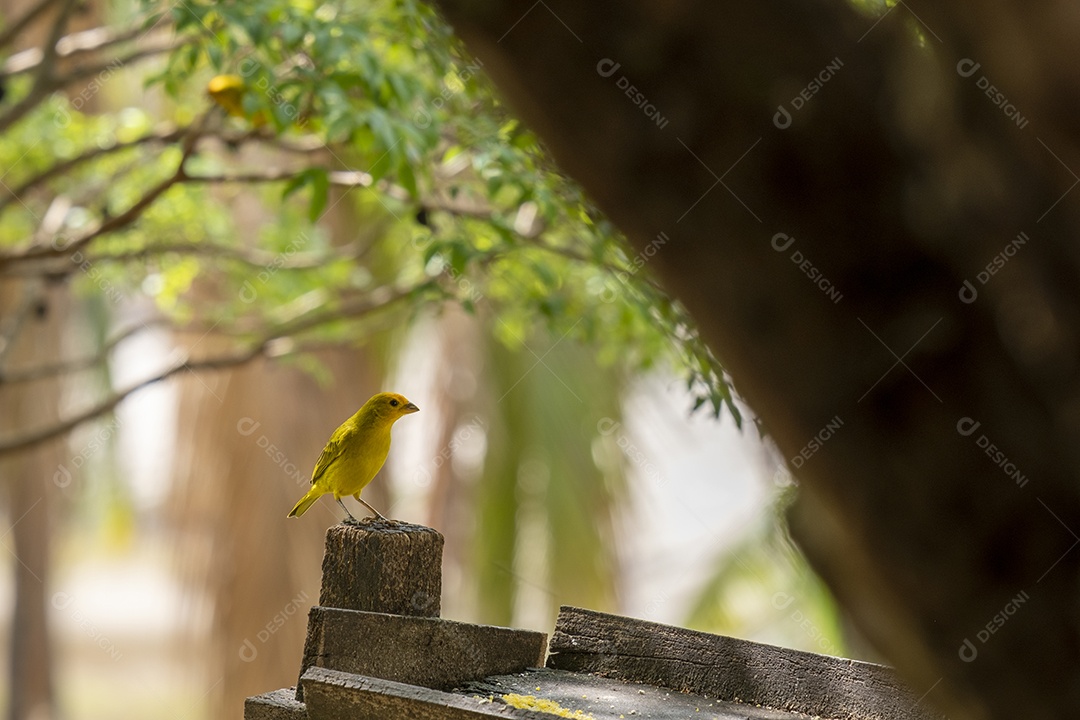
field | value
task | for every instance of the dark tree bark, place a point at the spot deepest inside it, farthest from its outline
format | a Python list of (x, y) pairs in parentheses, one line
[(827, 182)]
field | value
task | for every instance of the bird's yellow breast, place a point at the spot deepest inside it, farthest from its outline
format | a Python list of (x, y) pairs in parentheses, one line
[(363, 453)]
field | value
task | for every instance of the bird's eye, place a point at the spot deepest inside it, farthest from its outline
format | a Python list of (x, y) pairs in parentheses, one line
[(393, 403)]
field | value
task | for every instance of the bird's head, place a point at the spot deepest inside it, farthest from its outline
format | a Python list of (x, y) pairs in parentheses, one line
[(389, 406)]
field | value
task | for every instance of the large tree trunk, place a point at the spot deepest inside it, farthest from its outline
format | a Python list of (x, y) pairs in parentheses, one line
[(829, 188), (28, 479)]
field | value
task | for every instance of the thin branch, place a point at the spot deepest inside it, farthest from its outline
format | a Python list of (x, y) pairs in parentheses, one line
[(616, 270), (482, 213), (348, 179), (259, 259), (114, 223), (253, 258), (110, 66), (48, 84), (36, 437), (165, 135), (47, 65), (125, 218), (269, 345), (43, 372), (458, 209), (69, 46), (376, 300), (340, 178), (23, 22)]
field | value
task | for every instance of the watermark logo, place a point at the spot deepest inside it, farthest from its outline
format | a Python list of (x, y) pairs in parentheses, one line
[(461, 436), (610, 291), (608, 427), (782, 601), (467, 289), (62, 477), (247, 426), (249, 291), (967, 68), (452, 85), (967, 427), (781, 242), (62, 118), (66, 602), (250, 66), (968, 292), (820, 438), (249, 650), (607, 68), (783, 118), (968, 650), (423, 602)]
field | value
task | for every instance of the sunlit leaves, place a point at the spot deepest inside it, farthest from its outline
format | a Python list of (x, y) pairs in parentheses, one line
[(457, 193)]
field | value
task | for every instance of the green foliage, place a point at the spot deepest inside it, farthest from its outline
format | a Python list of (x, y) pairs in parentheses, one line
[(450, 195)]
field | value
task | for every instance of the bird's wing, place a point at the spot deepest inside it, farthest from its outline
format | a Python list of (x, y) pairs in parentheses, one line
[(330, 453)]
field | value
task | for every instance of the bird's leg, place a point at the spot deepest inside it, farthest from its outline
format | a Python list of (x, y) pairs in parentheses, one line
[(377, 513), (349, 514)]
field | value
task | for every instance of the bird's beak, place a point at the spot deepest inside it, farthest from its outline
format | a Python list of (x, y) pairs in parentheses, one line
[(409, 408)]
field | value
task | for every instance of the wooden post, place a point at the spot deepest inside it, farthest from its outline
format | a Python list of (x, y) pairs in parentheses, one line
[(377, 566), (383, 567)]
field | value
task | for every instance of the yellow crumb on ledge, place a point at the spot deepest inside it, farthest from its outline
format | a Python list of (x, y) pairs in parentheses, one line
[(531, 702)]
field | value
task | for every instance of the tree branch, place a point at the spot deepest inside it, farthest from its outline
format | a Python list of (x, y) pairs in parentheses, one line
[(47, 65), (269, 345), (340, 178), (70, 46), (258, 259), (27, 19), (163, 135), (43, 372), (62, 168), (47, 83), (33, 438), (113, 223)]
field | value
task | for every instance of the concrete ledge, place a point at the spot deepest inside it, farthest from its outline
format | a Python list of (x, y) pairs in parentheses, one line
[(429, 652), (335, 695), (730, 669), (276, 705)]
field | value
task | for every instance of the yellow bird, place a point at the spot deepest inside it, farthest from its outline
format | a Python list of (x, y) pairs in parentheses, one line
[(228, 92), (356, 452)]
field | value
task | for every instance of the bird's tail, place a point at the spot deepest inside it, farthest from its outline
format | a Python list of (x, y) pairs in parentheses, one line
[(305, 502)]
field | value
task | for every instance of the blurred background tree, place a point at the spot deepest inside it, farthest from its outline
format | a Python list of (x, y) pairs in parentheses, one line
[(281, 208)]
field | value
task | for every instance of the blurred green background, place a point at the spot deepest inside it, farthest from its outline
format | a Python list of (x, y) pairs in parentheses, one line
[(196, 288)]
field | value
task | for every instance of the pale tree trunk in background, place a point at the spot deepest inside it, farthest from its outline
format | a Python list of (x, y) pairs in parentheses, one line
[(450, 503), (542, 510), (28, 477), (826, 182), (249, 439), (28, 483)]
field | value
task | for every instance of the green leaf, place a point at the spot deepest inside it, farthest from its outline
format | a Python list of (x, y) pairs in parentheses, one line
[(319, 180), (320, 193), (407, 178)]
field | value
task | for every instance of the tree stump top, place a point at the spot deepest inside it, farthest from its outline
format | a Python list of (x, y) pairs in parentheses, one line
[(380, 566)]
